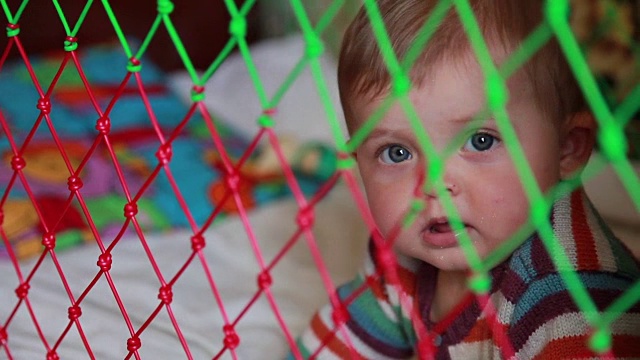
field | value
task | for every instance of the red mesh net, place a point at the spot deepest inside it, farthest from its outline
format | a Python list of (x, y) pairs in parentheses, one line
[(59, 327), (54, 324)]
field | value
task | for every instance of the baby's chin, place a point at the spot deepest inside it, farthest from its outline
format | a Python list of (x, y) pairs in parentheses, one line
[(452, 259)]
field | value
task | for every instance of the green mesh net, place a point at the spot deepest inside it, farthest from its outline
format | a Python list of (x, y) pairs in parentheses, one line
[(609, 84)]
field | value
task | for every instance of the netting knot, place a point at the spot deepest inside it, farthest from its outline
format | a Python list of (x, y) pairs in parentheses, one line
[(231, 338), (315, 48), (238, 27), (133, 344), (3, 335), (197, 93), (600, 341), (104, 262), (165, 7), (134, 65), (70, 43), (74, 312), (386, 258), (13, 30), (540, 213), (480, 283), (165, 294), (103, 125), (264, 280), (49, 241), (401, 85), (18, 163), (53, 355), (23, 290), (130, 210), (270, 111), (164, 153), (266, 118), (340, 315), (44, 105), (197, 242), (305, 218), (344, 161), (74, 183), (232, 180)]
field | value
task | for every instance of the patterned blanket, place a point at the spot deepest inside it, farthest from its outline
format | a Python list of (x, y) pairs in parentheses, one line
[(195, 162)]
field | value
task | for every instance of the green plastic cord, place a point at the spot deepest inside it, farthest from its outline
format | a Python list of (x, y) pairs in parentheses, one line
[(228, 48), (612, 122), (612, 141), (13, 19), (117, 28), (314, 49), (328, 16), (425, 33)]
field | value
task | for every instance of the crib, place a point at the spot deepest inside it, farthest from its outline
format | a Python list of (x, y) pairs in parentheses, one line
[(168, 194)]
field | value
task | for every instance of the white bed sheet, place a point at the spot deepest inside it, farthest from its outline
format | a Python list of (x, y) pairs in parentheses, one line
[(297, 287)]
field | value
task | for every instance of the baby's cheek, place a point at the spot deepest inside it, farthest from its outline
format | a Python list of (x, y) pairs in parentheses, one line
[(388, 208), (510, 208)]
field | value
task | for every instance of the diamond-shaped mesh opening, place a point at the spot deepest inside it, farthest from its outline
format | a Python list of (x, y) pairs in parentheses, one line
[(176, 298)]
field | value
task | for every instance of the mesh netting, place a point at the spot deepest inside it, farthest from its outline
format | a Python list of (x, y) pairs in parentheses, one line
[(614, 110)]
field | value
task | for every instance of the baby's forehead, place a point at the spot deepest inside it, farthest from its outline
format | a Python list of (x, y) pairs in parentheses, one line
[(453, 96), (438, 74)]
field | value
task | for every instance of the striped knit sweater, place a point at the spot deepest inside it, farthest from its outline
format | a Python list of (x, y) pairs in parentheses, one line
[(536, 313)]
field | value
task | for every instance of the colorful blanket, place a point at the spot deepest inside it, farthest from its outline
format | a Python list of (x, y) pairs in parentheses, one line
[(195, 163)]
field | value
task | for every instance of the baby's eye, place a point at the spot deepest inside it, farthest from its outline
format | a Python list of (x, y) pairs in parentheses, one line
[(394, 154), (480, 141)]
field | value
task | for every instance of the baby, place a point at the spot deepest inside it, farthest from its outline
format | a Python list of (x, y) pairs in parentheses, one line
[(421, 304)]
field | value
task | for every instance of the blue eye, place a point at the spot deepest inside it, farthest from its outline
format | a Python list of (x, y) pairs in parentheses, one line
[(394, 154), (480, 141)]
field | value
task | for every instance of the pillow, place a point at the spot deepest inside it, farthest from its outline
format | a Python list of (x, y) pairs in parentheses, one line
[(300, 114)]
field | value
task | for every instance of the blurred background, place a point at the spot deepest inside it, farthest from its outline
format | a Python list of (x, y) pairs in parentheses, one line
[(608, 31)]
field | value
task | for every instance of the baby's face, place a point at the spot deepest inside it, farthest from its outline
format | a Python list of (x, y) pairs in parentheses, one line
[(479, 173)]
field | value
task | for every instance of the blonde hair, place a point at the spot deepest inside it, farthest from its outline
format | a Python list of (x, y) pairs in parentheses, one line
[(362, 71)]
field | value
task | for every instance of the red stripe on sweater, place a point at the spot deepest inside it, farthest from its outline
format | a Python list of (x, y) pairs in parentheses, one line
[(330, 339), (587, 254), (626, 346), (570, 347), (574, 347)]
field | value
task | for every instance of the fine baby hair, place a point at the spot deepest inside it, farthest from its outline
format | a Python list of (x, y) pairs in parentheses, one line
[(363, 72)]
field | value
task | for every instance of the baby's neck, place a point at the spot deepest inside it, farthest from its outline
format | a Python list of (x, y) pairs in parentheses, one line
[(451, 288)]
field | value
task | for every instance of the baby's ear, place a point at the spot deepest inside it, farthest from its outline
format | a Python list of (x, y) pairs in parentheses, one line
[(579, 137)]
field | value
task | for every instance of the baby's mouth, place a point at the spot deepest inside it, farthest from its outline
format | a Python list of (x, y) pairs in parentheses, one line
[(440, 234), (442, 226)]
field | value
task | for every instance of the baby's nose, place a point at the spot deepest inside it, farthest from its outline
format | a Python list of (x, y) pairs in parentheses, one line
[(432, 190), (431, 187)]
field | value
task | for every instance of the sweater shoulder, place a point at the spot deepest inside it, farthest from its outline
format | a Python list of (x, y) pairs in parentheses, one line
[(581, 241)]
